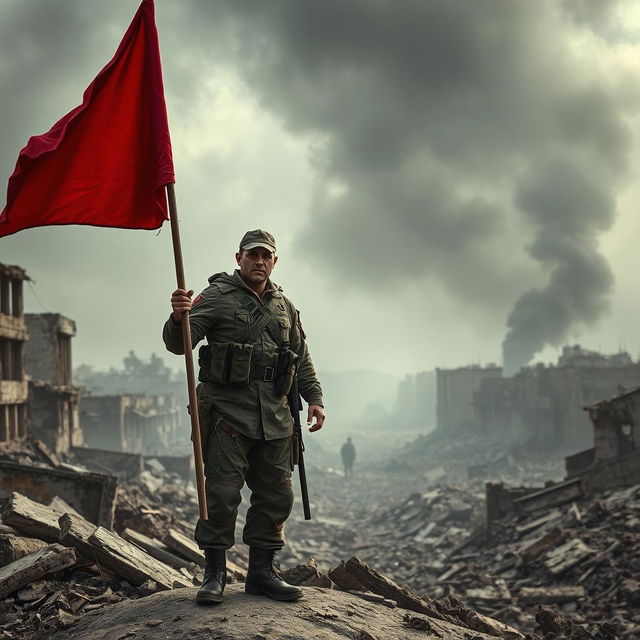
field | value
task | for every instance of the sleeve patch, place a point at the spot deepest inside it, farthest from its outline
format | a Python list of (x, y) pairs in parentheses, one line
[(199, 298)]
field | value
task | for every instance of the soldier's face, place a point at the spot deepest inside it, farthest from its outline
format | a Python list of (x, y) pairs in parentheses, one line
[(256, 264)]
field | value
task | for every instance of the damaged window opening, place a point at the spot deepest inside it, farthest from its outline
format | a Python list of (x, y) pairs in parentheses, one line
[(626, 443)]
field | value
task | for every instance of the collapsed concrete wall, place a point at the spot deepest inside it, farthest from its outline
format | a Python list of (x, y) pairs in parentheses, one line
[(612, 463), (53, 399), (48, 356), (131, 423), (54, 416), (456, 389)]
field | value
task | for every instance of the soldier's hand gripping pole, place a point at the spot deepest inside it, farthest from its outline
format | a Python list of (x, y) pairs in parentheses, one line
[(188, 357), (295, 406)]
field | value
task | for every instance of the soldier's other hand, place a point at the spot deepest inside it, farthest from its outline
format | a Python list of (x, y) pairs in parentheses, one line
[(317, 412), (180, 302)]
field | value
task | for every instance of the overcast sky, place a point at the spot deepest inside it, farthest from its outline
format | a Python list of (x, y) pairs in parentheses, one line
[(444, 179)]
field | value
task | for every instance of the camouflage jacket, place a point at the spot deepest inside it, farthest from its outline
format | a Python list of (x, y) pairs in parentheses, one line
[(220, 314)]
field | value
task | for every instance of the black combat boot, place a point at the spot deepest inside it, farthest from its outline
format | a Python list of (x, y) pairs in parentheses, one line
[(215, 577), (263, 580)]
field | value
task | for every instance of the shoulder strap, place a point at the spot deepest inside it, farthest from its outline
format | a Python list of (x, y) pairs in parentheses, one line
[(263, 319), (260, 317)]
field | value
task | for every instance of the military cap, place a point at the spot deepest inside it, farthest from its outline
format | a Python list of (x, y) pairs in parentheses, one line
[(258, 238)]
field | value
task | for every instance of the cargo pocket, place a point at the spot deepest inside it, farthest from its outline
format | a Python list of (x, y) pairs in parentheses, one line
[(205, 408), (243, 325), (225, 445), (285, 328), (231, 363)]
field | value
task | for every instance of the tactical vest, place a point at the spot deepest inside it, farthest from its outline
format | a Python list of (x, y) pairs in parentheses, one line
[(231, 359)]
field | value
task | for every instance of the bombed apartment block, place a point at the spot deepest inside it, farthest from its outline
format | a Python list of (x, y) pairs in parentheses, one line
[(53, 399), (456, 389), (13, 335), (133, 423), (614, 459), (612, 463), (543, 404), (140, 377)]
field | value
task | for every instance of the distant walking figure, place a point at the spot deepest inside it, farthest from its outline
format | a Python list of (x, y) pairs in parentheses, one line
[(348, 453)]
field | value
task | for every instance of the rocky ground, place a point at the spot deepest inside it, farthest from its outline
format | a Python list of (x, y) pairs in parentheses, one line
[(322, 613)]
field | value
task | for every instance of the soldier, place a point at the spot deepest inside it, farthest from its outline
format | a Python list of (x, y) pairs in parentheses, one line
[(348, 453), (255, 344)]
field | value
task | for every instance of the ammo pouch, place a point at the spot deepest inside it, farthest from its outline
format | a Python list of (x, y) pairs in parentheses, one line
[(226, 363), (286, 368)]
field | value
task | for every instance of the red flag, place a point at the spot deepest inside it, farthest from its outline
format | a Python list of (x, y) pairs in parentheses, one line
[(106, 162)]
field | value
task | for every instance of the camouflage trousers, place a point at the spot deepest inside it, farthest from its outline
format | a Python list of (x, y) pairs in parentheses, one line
[(231, 459)]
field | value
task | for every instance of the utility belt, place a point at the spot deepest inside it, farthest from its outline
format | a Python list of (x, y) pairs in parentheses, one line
[(231, 363)]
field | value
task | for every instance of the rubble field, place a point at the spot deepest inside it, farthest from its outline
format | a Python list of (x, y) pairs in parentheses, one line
[(420, 550)]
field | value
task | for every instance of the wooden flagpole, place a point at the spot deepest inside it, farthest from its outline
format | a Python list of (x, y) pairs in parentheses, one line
[(188, 356)]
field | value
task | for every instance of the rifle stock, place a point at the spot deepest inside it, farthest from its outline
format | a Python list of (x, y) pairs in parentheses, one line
[(295, 406)]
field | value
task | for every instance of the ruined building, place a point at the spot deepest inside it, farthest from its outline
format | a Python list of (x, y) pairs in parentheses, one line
[(132, 423), (137, 409), (416, 402), (13, 335), (53, 399), (456, 389), (543, 404), (613, 462), (614, 459)]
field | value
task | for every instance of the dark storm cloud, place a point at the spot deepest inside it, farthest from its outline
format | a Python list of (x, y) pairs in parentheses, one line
[(595, 14), (427, 114)]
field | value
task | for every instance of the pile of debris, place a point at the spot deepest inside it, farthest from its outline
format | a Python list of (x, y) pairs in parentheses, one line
[(467, 456), (584, 557), (426, 525), (580, 557), (390, 531), (57, 564)]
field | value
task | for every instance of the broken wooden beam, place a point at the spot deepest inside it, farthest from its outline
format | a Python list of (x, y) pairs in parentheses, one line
[(540, 545), (32, 567), (61, 507), (531, 525), (13, 548), (344, 580), (31, 518), (46, 454), (116, 554), (567, 556), (184, 546), (156, 549), (383, 586), (550, 595)]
